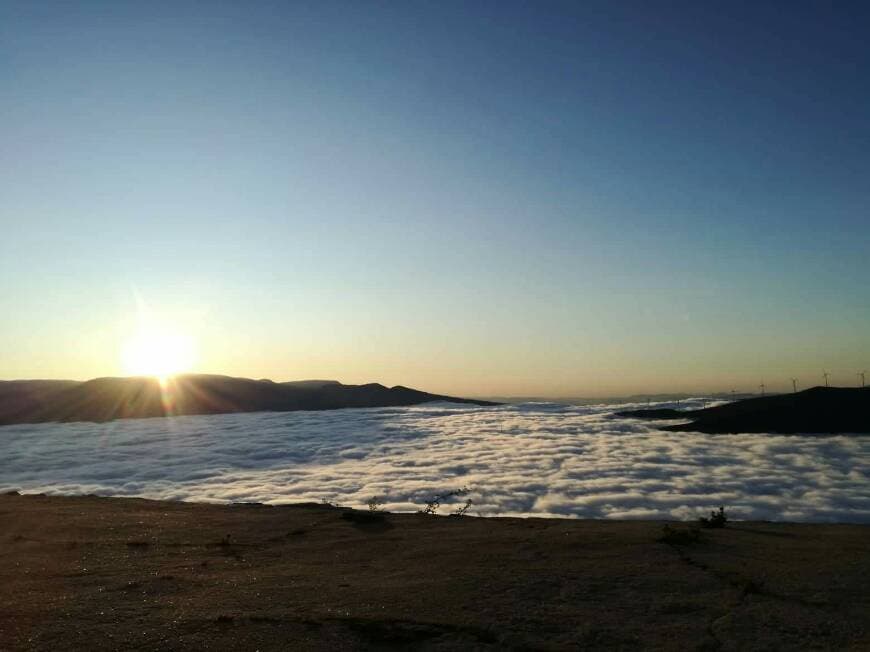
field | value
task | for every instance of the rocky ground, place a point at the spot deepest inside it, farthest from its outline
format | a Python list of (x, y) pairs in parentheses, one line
[(107, 573)]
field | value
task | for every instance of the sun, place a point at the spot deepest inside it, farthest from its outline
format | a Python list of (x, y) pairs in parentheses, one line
[(157, 351)]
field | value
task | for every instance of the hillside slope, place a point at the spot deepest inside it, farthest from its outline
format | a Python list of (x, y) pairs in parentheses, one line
[(815, 410), (106, 399), (116, 573)]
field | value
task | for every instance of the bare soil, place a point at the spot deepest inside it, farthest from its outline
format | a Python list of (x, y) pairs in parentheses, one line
[(90, 573)]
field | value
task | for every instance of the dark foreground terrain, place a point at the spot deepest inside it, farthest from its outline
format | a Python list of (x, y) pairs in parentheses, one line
[(106, 399), (816, 410), (105, 573)]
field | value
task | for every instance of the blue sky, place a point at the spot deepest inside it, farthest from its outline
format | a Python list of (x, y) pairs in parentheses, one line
[(546, 198)]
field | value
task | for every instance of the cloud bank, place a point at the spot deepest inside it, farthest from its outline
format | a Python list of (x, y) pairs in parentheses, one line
[(531, 459)]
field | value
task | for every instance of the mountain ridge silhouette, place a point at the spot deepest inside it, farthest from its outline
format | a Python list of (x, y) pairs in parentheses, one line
[(815, 410), (109, 398)]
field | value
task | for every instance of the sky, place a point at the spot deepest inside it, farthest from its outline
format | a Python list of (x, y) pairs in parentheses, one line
[(486, 198)]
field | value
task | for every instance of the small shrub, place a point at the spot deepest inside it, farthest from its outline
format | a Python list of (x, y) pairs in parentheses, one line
[(375, 505), (462, 510), (137, 544), (680, 536), (718, 518), (433, 505), (751, 586)]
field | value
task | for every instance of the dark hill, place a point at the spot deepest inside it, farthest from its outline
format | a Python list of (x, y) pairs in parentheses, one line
[(816, 410), (105, 399)]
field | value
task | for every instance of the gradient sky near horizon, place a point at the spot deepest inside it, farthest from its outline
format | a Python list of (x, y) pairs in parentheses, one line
[(480, 198)]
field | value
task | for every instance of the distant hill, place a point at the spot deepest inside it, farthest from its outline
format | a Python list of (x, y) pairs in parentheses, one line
[(106, 399), (311, 384), (611, 400), (815, 410)]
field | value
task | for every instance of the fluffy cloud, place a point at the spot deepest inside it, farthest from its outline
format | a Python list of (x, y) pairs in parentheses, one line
[(530, 459)]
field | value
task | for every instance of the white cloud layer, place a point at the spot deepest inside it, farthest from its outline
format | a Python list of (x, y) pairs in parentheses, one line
[(531, 459)]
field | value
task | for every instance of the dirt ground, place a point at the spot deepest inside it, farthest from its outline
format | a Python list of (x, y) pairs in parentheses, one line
[(94, 573)]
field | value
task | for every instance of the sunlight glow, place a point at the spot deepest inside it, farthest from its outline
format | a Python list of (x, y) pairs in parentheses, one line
[(157, 351)]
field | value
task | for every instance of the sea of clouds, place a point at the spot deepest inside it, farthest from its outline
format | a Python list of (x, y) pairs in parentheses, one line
[(530, 459)]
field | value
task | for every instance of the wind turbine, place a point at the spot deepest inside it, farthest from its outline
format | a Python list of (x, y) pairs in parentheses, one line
[(762, 387), (794, 385), (826, 374), (861, 376)]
